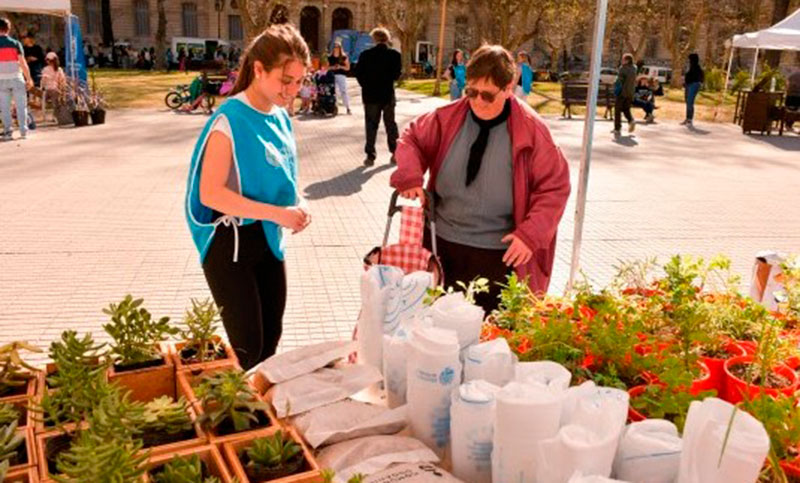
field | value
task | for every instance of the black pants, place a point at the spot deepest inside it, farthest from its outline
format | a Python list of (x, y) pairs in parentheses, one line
[(372, 118), (622, 106), (462, 263), (251, 292)]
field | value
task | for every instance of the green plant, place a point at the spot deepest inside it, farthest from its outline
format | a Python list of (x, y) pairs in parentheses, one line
[(790, 294), (164, 415), (357, 478), (769, 73), (201, 323), (183, 470), (515, 303), (136, 334), (272, 452), (714, 79), (116, 416), (327, 475), (226, 395), (781, 418), (71, 350), (741, 81), (771, 350), (476, 286), (10, 442), (15, 372), (8, 414), (93, 459), (551, 336), (80, 390), (666, 402), (4, 465)]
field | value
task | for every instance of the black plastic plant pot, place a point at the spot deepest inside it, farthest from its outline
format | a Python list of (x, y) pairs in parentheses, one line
[(80, 118), (98, 116)]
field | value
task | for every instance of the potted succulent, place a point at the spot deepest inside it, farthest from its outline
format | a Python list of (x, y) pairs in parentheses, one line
[(16, 446), (168, 422), (16, 410), (93, 458), (226, 401), (201, 346), (80, 113), (17, 377), (139, 363), (274, 455), (73, 352), (202, 464)]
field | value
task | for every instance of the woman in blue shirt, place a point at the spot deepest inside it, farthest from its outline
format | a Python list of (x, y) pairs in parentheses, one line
[(242, 193), (457, 75), (524, 77)]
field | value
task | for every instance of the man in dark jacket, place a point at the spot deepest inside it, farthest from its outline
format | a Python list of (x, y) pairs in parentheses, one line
[(625, 87), (377, 70)]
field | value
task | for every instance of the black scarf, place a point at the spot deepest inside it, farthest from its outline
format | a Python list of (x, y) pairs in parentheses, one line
[(479, 145)]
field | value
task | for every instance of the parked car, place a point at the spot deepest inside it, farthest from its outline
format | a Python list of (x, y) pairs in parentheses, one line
[(663, 74)]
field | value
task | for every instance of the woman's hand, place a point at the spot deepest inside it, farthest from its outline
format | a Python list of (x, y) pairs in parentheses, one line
[(518, 252), (413, 194), (293, 218)]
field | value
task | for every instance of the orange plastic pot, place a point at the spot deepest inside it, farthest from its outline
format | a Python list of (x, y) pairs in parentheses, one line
[(716, 366), (736, 388)]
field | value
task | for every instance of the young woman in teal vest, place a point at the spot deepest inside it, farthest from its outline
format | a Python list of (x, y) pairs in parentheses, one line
[(242, 193)]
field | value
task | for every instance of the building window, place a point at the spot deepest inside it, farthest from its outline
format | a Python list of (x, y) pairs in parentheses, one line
[(141, 19), (342, 19), (235, 27), (189, 16), (94, 22)]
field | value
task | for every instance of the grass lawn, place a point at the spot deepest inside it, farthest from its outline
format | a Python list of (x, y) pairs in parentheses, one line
[(136, 88)]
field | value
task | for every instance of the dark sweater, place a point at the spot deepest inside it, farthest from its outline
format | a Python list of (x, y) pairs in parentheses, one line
[(694, 74), (377, 70)]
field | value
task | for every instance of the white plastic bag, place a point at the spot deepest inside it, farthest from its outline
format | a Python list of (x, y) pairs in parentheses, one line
[(472, 429), (319, 388), (708, 425), (395, 359), (378, 285), (547, 373), (453, 312), (434, 371), (413, 473), (372, 454), (649, 452), (491, 361), (587, 440), (348, 419), (526, 413), (295, 363)]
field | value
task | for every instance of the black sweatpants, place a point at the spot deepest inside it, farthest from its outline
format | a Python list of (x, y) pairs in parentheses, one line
[(251, 292), (622, 106), (372, 120)]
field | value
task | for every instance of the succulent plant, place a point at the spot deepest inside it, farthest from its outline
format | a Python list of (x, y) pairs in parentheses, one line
[(10, 441), (15, 372), (357, 478), (72, 350), (116, 416), (93, 459), (226, 395), (8, 414), (80, 389), (136, 334), (183, 470), (165, 415), (274, 453), (201, 323), (4, 466)]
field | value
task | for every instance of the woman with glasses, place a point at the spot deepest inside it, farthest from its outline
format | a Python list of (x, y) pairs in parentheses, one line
[(499, 181)]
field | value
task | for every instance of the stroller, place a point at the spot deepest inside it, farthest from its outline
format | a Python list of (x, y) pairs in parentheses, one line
[(325, 103)]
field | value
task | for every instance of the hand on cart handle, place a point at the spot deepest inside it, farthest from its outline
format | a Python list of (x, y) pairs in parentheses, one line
[(518, 252), (414, 194)]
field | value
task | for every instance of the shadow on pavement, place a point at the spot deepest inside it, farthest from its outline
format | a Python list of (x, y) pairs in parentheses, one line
[(696, 130), (790, 142), (344, 184), (626, 141)]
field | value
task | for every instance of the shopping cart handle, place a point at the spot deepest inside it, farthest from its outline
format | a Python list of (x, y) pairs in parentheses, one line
[(427, 205)]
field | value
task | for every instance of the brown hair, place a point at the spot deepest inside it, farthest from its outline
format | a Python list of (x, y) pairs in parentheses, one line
[(5, 25), (492, 62), (274, 46), (627, 57), (380, 35), (55, 61)]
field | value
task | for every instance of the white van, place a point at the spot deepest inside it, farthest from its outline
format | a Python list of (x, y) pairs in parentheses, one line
[(663, 74), (196, 47)]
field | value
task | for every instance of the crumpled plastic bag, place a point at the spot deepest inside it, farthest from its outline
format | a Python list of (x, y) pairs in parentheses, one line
[(395, 359), (453, 312), (433, 372), (548, 373), (346, 420), (413, 473), (325, 386), (372, 454), (304, 360), (491, 361), (703, 459), (649, 452), (472, 430)]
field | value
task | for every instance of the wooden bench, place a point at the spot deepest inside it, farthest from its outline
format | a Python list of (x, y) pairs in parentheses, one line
[(575, 94)]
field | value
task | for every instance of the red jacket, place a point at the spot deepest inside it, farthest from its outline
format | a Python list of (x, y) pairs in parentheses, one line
[(541, 175)]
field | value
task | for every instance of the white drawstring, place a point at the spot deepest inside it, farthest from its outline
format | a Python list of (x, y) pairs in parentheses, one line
[(228, 220)]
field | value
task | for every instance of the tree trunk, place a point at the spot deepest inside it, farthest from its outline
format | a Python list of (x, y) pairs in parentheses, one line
[(161, 37), (780, 9), (677, 67), (108, 27), (407, 44)]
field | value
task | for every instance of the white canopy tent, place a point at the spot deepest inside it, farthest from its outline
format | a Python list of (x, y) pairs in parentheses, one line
[(44, 7)]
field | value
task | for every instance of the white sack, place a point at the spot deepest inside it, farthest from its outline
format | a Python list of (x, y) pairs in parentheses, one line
[(413, 473), (346, 420), (579, 477), (453, 312), (588, 439), (434, 371), (322, 387), (491, 361), (472, 429), (548, 373), (703, 436), (525, 415), (295, 363), (649, 452), (395, 359), (372, 454)]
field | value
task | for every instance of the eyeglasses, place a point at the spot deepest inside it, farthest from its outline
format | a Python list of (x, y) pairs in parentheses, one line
[(486, 96)]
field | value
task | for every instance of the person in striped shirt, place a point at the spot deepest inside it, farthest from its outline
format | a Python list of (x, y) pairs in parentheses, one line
[(15, 81)]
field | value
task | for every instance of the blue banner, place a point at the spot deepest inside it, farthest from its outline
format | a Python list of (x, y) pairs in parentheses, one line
[(73, 52)]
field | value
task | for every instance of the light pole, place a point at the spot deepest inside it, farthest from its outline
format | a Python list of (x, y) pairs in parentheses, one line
[(440, 51), (219, 6)]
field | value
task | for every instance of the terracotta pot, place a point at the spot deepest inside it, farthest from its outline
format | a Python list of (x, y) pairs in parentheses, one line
[(147, 383), (633, 414), (27, 475), (209, 455), (198, 437), (233, 447), (47, 441), (736, 388), (230, 357), (716, 366), (25, 416), (27, 389)]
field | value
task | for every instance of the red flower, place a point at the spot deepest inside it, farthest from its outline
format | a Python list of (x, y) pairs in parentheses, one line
[(524, 346)]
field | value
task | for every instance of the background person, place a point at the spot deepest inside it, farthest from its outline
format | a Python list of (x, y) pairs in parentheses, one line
[(15, 81), (339, 63), (236, 225), (524, 76), (456, 73), (377, 70), (53, 80), (34, 55), (692, 81), (624, 89), (499, 180)]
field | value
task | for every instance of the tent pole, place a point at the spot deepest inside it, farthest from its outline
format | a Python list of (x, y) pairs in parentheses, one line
[(753, 71), (588, 132)]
